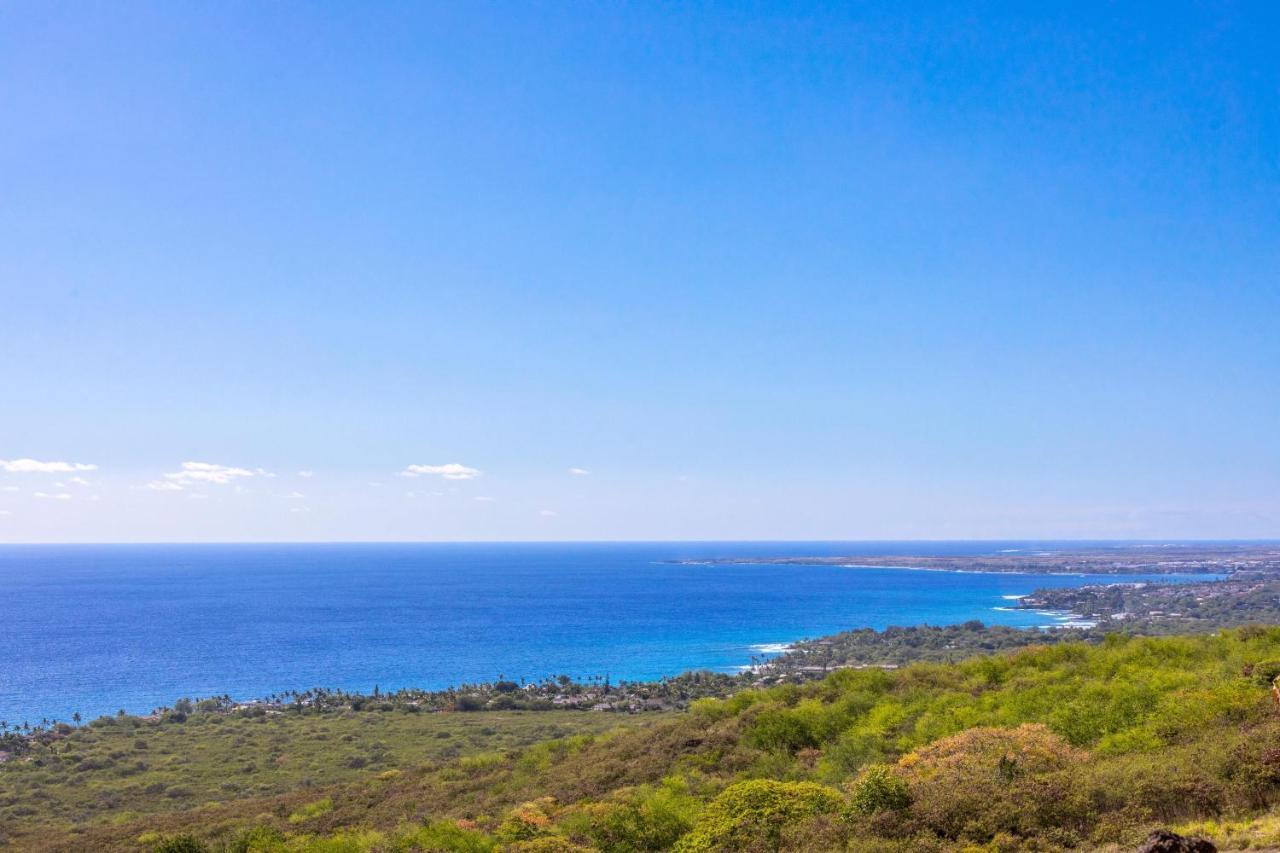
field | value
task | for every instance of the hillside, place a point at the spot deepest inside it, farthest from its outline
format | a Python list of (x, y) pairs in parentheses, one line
[(124, 768), (1065, 747)]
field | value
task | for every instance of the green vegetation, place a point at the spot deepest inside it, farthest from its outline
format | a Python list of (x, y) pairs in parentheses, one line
[(897, 646), (755, 813), (117, 769), (1070, 746)]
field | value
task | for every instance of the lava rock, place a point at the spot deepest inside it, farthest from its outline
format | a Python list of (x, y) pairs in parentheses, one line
[(1164, 841)]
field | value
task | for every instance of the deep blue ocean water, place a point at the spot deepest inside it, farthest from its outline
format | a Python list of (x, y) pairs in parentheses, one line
[(98, 628)]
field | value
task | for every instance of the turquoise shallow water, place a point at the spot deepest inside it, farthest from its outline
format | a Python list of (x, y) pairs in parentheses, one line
[(98, 628)]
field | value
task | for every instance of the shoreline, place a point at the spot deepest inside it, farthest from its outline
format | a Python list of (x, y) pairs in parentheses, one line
[(771, 656), (1046, 608), (591, 693), (819, 563), (1086, 560)]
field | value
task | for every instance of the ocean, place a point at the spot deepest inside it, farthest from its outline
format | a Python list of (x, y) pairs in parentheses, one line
[(97, 628)]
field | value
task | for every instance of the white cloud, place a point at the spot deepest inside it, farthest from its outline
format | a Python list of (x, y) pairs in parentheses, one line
[(546, 513), (79, 481), (295, 495), (5, 512), (197, 496), (306, 474), (579, 472), (94, 498), (163, 486), (484, 499), (60, 496), (32, 466), (299, 509), (9, 489), (207, 472), (450, 471)]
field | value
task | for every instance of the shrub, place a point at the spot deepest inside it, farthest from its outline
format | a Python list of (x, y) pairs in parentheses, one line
[(446, 835), (757, 812), (878, 789), (1265, 672), (987, 781), (781, 730), (311, 810), (468, 702), (181, 844), (259, 839), (547, 844), (639, 819), (528, 821), (482, 761)]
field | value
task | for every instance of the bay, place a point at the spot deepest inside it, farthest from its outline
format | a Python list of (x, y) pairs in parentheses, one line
[(96, 628)]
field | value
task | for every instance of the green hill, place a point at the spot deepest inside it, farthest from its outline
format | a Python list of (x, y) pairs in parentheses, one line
[(1069, 746)]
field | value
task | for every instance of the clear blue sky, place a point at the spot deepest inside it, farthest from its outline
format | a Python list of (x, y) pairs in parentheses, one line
[(873, 270)]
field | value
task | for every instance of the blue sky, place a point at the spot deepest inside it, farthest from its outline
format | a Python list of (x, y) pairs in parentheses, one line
[(778, 270)]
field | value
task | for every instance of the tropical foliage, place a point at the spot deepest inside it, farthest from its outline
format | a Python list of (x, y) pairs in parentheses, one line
[(1069, 746)]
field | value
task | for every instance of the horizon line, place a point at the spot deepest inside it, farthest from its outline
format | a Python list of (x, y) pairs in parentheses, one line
[(1083, 540)]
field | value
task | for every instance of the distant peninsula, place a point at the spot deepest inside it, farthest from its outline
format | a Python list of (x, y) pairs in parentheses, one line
[(1178, 558)]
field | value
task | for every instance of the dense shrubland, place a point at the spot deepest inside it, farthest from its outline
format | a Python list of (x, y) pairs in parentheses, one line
[(1070, 746), (124, 767)]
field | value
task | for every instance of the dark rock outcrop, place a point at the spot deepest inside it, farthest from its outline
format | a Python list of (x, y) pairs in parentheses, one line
[(1164, 841)]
